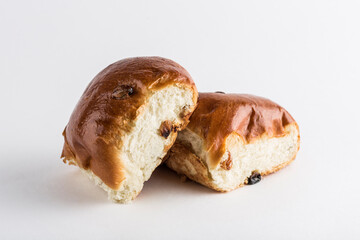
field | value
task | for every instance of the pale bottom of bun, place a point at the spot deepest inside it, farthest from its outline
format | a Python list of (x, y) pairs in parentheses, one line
[(240, 161), (153, 133)]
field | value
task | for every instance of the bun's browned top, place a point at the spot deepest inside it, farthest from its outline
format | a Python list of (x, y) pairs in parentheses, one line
[(218, 115), (107, 108)]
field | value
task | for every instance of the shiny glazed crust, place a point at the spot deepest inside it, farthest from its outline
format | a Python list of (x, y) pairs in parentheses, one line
[(218, 115), (108, 107)]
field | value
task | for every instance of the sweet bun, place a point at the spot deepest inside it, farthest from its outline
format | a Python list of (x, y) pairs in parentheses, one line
[(234, 139), (126, 121)]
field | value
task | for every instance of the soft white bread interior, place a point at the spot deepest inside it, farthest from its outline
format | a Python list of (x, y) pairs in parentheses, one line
[(233, 140), (240, 161)]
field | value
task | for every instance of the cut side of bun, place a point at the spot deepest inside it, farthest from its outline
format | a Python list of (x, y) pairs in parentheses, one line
[(145, 146), (264, 156), (127, 147), (233, 140)]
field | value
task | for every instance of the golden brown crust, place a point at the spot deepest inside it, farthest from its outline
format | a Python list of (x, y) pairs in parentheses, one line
[(108, 107), (218, 115), (227, 164)]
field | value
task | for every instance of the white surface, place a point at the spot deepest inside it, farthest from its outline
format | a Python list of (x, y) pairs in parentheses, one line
[(304, 55)]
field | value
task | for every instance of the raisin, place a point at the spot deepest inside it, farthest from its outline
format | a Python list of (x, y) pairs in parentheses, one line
[(122, 92), (175, 128), (227, 165), (255, 177), (165, 129)]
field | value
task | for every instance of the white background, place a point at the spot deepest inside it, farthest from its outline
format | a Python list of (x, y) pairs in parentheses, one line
[(305, 55)]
